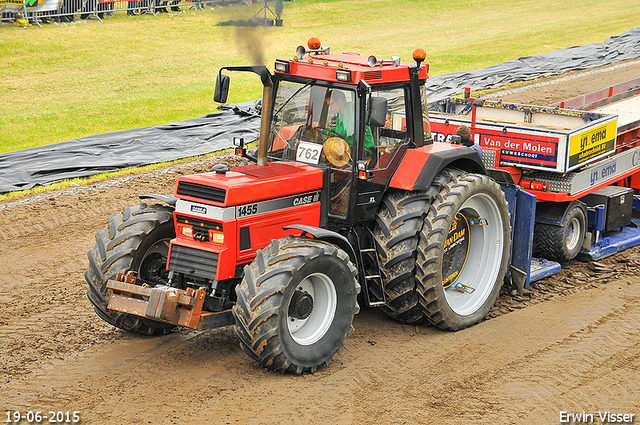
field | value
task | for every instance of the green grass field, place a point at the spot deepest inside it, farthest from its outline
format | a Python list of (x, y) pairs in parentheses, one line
[(62, 82)]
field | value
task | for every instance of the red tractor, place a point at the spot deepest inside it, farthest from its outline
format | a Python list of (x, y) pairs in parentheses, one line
[(346, 194)]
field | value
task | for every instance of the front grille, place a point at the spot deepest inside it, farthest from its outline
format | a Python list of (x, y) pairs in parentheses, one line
[(193, 261), (199, 191)]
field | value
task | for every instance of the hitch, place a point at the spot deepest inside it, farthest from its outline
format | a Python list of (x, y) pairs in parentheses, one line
[(164, 304)]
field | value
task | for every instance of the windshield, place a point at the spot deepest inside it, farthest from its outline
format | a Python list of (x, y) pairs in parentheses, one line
[(312, 124)]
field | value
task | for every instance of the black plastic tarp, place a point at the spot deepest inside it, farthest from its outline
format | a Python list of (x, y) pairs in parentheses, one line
[(615, 49), (90, 155), (142, 146)]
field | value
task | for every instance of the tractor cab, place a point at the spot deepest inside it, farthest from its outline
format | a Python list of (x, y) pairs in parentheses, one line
[(344, 113)]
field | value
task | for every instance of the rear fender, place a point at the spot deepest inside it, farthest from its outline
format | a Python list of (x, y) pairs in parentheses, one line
[(420, 166)]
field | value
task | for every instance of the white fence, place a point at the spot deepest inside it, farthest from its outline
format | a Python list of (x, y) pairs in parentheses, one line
[(37, 12)]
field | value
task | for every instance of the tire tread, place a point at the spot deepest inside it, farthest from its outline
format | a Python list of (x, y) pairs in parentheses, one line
[(396, 230), (260, 297), (114, 252), (429, 280)]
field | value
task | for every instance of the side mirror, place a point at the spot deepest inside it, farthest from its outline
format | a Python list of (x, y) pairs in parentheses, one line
[(222, 89), (378, 113)]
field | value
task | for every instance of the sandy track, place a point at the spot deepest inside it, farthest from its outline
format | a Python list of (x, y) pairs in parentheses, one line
[(572, 343)]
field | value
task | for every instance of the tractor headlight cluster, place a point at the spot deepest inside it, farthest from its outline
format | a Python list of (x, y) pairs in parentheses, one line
[(201, 236), (216, 237), (342, 75), (282, 66)]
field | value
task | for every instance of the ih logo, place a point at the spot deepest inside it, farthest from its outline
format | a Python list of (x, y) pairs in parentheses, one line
[(198, 209)]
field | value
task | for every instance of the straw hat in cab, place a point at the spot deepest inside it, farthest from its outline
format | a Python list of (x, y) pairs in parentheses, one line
[(337, 151)]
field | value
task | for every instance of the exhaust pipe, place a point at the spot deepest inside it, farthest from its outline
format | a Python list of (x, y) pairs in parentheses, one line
[(267, 105)]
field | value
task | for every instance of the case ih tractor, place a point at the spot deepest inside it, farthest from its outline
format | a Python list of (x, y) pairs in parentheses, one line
[(346, 194)]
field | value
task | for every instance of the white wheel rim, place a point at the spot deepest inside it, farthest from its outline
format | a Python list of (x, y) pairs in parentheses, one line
[(482, 267), (573, 234), (325, 300)]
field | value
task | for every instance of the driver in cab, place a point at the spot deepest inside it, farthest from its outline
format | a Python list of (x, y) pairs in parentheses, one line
[(341, 121)]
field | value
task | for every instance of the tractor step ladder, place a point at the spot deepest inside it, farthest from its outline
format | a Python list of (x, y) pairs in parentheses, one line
[(374, 279)]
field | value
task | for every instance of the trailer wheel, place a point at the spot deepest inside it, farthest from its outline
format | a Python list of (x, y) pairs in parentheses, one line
[(561, 243), (295, 304), (136, 240), (463, 252), (395, 232)]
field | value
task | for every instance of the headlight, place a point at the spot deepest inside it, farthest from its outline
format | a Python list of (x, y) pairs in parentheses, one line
[(282, 66), (216, 237), (342, 75)]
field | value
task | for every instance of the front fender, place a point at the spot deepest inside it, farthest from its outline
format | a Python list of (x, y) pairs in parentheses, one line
[(327, 236), (167, 199)]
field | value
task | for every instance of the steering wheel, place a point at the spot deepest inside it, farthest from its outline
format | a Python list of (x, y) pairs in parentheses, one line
[(320, 134)]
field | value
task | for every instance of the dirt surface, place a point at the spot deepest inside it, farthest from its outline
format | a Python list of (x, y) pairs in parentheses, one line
[(570, 344)]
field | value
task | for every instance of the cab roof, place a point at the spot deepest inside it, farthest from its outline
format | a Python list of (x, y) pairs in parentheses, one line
[(350, 68)]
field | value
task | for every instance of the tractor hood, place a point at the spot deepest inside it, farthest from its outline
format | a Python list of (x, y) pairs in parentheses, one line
[(249, 183)]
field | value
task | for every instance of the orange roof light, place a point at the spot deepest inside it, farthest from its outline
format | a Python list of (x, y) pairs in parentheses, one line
[(314, 43), (419, 55)]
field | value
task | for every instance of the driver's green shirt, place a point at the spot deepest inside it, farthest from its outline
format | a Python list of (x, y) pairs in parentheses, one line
[(345, 127)]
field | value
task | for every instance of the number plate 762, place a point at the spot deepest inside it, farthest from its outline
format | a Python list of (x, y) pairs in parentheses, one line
[(308, 152)]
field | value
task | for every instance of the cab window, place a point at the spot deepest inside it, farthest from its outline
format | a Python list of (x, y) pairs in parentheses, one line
[(394, 132), (306, 117), (425, 113)]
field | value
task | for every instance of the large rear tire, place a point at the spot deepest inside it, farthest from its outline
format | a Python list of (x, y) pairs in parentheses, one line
[(463, 251), (397, 225), (136, 240), (295, 304)]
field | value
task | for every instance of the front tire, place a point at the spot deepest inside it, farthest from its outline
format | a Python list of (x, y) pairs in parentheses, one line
[(136, 240), (295, 304), (463, 252)]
